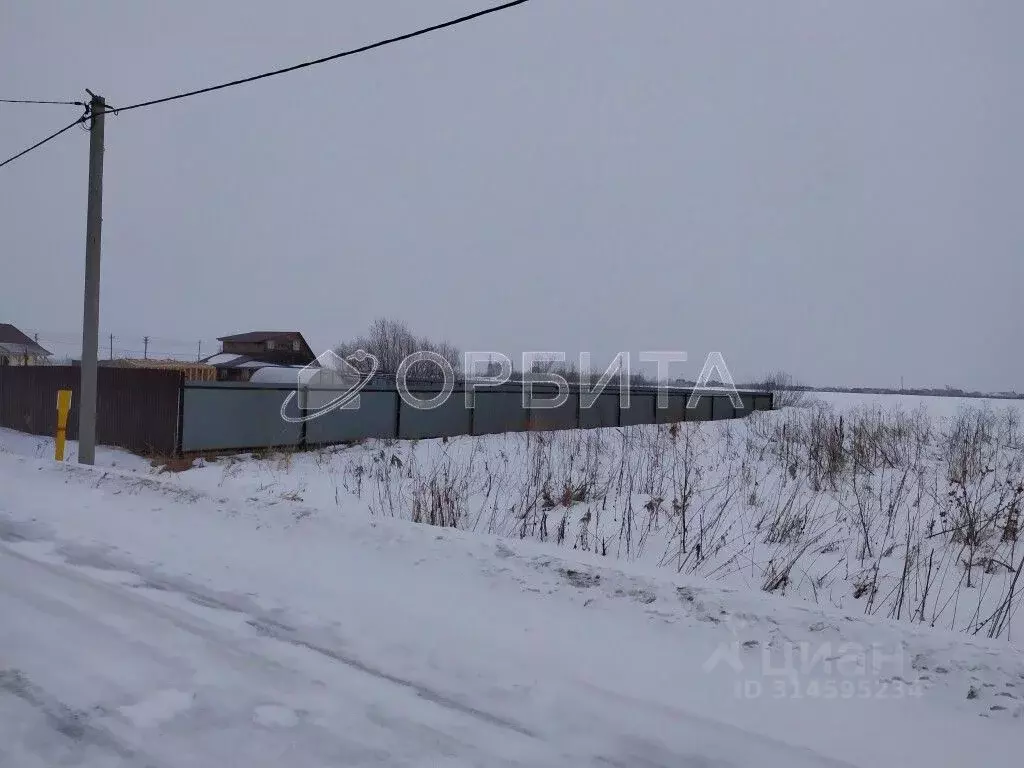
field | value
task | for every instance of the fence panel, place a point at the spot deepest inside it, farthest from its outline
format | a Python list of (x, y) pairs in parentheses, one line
[(227, 416), (748, 406), (498, 411), (640, 411), (701, 410), (722, 408), (674, 411), (376, 416), (447, 420), (136, 409), (603, 412), (564, 416)]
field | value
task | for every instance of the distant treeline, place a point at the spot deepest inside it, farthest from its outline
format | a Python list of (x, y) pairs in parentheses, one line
[(930, 392)]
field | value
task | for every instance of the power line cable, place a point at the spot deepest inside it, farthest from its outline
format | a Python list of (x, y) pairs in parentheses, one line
[(48, 138), (253, 78), (42, 101), (314, 62)]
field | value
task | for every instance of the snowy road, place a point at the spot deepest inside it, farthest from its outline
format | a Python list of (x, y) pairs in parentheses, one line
[(95, 671), (108, 675)]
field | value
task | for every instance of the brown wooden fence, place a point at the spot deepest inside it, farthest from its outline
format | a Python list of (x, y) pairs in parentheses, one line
[(137, 409)]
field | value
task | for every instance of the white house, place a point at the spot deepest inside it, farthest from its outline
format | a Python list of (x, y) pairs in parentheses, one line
[(18, 349)]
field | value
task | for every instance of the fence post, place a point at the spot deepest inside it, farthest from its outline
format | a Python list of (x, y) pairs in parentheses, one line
[(179, 428), (302, 401), (398, 414)]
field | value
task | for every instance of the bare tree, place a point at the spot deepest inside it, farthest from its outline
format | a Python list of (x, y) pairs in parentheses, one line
[(785, 390), (391, 341), (571, 372)]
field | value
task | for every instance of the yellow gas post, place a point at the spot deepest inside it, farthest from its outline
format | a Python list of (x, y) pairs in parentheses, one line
[(63, 409)]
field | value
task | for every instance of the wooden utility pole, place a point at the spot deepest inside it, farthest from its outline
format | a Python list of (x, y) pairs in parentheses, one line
[(91, 310)]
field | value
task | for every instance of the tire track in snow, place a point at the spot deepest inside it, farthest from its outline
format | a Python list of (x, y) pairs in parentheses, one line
[(72, 724), (263, 625)]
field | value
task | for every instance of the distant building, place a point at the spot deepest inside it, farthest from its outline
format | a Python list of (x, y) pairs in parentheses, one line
[(244, 353), (18, 349)]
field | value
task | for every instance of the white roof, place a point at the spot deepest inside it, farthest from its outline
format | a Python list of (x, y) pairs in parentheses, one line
[(223, 359), (276, 374), (307, 376)]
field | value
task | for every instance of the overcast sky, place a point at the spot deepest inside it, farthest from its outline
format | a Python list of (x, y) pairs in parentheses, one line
[(829, 188)]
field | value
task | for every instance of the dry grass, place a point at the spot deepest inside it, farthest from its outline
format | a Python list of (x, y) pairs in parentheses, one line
[(904, 515), (172, 463)]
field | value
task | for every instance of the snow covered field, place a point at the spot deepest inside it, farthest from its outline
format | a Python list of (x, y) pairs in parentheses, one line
[(903, 507), (282, 609)]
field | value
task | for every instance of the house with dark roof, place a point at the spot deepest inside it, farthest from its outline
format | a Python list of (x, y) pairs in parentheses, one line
[(244, 353), (18, 349)]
